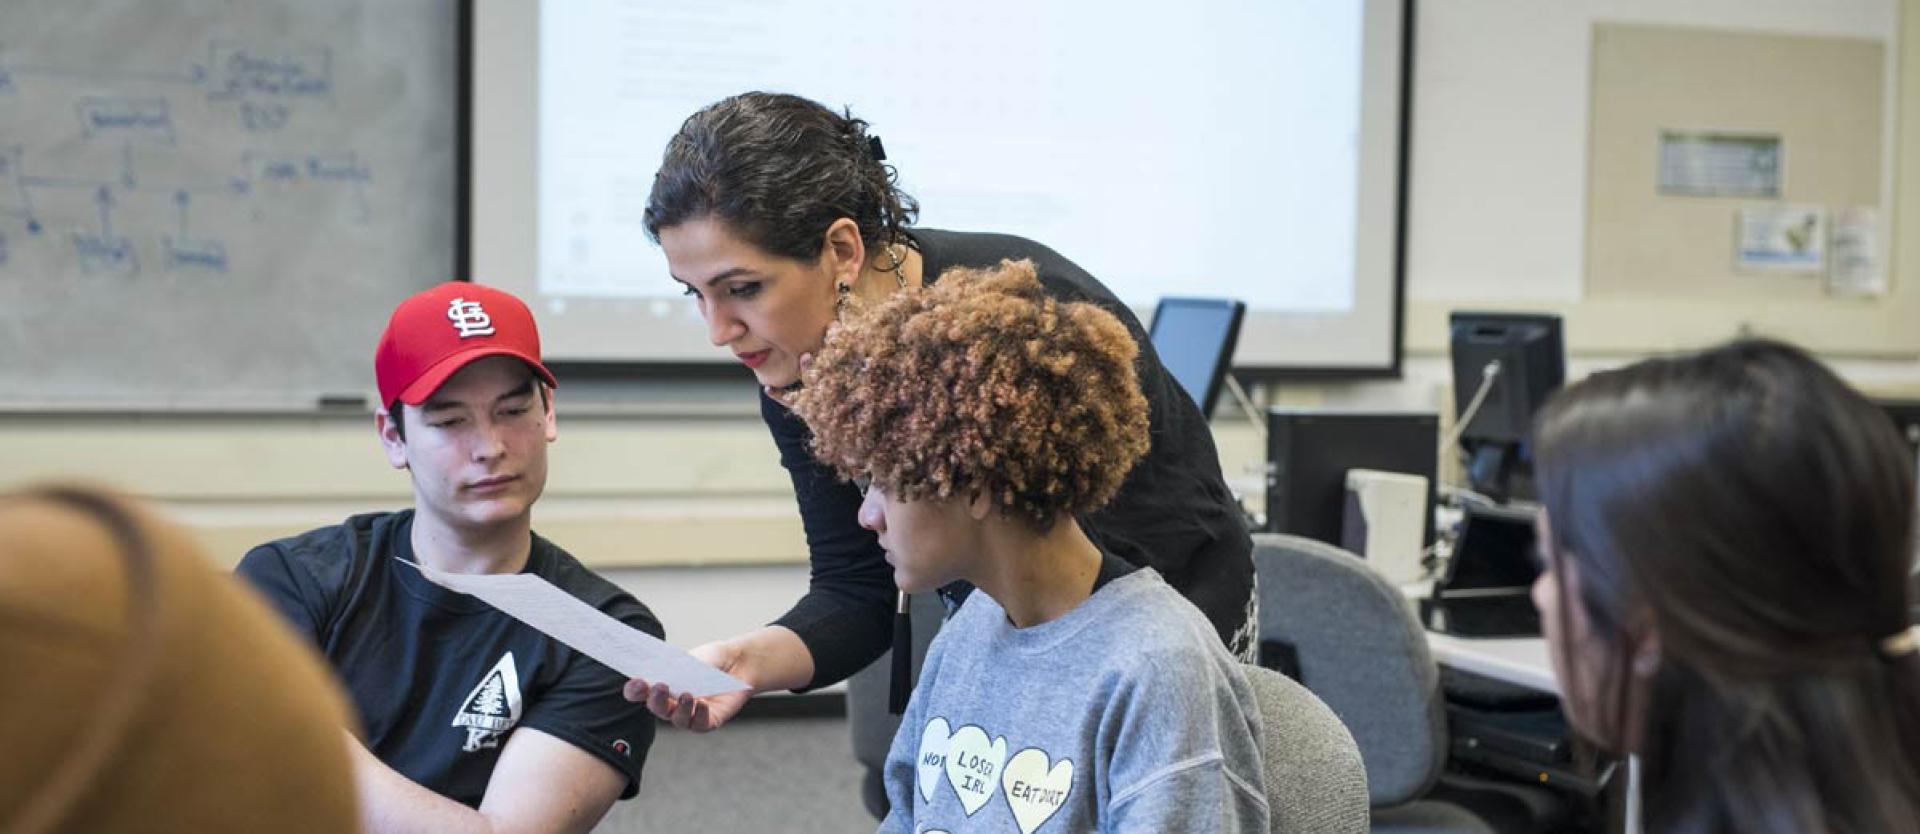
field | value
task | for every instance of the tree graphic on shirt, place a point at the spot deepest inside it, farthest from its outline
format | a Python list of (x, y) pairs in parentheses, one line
[(488, 700), (492, 707)]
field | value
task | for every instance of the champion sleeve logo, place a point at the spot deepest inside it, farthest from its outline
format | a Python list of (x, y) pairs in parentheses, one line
[(492, 708)]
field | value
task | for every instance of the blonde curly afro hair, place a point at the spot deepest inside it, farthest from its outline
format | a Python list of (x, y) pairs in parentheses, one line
[(980, 384)]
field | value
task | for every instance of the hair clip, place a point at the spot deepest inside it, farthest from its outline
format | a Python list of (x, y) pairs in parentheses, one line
[(875, 149)]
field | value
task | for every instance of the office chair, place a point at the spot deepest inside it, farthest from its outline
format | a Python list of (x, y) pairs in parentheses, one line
[(1352, 641), (1315, 779)]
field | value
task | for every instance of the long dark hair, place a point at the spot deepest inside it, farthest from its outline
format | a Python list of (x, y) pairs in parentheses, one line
[(1758, 513), (778, 170)]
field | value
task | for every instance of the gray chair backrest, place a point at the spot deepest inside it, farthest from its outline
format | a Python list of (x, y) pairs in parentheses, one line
[(1315, 780), (1363, 653)]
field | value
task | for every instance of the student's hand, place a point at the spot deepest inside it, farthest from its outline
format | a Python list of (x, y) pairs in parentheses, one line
[(687, 712), (781, 395)]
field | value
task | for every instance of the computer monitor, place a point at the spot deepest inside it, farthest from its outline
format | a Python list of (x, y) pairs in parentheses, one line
[(1494, 418), (1195, 338), (1309, 453), (1486, 590)]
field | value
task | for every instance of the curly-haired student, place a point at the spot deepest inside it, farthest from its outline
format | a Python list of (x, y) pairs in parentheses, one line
[(983, 418), (773, 210)]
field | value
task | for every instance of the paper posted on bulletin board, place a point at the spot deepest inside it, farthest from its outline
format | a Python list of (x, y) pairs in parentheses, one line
[(1855, 268), (1781, 237), (1841, 246)]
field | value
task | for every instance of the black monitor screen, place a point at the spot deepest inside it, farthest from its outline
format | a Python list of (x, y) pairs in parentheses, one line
[(1532, 365), (1195, 339), (1505, 365), (1486, 590), (1311, 451), (1495, 550)]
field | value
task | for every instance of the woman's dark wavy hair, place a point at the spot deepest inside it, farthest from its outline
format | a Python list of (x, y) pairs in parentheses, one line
[(778, 170), (1759, 513)]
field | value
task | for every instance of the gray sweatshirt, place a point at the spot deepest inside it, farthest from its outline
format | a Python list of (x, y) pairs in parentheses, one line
[(1126, 714)]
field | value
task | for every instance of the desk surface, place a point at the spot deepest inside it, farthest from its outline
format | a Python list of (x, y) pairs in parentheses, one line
[(1522, 660)]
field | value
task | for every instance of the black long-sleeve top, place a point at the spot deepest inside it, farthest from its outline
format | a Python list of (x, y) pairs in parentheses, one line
[(1173, 512)]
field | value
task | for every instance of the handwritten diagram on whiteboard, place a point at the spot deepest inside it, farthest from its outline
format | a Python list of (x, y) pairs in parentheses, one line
[(207, 207)]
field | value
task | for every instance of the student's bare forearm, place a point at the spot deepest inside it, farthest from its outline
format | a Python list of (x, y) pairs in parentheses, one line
[(393, 804), (540, 785)]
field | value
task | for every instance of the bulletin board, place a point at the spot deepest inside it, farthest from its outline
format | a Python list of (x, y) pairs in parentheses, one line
[(1660, 265), (1822, 97)]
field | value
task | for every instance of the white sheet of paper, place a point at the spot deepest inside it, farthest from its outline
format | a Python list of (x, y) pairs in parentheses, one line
[(560, 615), (1781, 237), (1854, 266), (1720, 163)]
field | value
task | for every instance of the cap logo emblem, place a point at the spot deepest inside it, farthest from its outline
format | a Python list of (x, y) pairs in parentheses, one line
[(469, 318)]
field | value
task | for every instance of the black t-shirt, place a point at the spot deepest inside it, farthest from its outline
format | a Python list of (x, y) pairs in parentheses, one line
[(1111, 567), (1173, 512), (439, 677)]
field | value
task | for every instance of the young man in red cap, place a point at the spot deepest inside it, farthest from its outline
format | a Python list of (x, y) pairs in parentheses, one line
[(474, 721)]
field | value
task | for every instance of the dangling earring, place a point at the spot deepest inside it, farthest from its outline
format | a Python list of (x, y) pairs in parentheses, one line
[(840, 294), (898, 267)]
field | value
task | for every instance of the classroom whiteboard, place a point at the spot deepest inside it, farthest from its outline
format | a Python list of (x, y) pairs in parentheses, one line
[(211, 204)]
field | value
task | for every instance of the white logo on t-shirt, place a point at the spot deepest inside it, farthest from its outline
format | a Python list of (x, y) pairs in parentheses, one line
[(469, 318), (492, 708), (973, 766), (1035, 787)]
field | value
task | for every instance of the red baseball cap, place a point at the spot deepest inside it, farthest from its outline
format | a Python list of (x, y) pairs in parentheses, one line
[(434, 334)]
